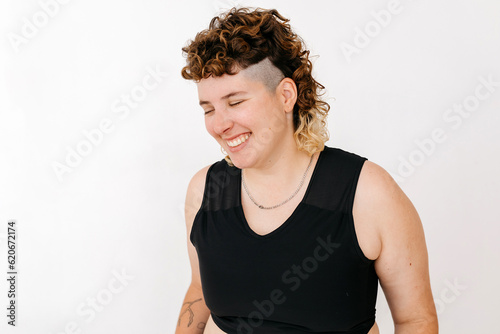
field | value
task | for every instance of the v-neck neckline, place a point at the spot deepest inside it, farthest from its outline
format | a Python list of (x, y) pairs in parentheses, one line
[(290, 218)]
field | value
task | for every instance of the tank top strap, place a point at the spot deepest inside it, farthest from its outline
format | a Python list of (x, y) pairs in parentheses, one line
[(220, 186), (336, 180)]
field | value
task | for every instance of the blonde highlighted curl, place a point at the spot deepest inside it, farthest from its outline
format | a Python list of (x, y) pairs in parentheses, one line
[(242, 37)]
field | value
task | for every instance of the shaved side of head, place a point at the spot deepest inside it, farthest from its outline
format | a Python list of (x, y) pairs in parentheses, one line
[(265, 72)]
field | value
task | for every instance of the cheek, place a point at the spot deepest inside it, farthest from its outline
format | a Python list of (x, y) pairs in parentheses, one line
[(273, 124), (266, 134)]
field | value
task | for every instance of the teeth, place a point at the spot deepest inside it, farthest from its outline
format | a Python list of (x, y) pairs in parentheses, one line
[(241, 139)]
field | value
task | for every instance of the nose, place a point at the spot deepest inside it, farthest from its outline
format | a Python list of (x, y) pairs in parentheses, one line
[(222, 121)]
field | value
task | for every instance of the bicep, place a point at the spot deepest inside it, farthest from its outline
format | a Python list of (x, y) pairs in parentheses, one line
[(402, 264), (194, 198)]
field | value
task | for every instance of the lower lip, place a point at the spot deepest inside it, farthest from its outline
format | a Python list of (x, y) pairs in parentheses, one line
[(239, 147)]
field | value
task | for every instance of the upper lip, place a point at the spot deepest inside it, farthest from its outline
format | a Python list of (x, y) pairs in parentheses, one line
[(231, 138)]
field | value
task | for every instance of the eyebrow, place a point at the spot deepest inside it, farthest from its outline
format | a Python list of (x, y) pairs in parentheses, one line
[(225, 97)]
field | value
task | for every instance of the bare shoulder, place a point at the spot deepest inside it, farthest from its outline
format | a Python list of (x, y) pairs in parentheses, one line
[(194, 194), (198, 179), (378, 203), (392, 234), (194, 198), (385, 200), (375, 180)]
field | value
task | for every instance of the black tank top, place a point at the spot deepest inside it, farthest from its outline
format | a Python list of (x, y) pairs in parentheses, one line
[(307, 276)]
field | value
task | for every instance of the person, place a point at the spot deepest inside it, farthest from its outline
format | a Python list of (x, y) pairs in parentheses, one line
[(287, 234)]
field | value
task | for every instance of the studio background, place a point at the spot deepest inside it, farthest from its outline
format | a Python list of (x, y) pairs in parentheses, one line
[(100, 135)]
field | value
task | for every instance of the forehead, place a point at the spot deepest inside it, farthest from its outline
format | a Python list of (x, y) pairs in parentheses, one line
[(263, 75)]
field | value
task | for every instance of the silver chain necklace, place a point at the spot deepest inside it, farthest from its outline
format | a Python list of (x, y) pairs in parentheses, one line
[(289, 198)]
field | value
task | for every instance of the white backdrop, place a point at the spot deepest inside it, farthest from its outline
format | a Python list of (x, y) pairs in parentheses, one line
[(100, 135)]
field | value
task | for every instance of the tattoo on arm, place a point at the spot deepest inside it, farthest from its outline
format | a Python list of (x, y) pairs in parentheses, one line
[(201, 325), (191, 313)]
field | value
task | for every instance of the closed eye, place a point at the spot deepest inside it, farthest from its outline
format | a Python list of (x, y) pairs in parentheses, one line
[(235, 103)]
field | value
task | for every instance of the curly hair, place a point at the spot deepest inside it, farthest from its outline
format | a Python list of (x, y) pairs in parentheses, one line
[(242, 37)]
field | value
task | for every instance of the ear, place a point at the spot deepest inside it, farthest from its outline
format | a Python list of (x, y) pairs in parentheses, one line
[(287, 93)]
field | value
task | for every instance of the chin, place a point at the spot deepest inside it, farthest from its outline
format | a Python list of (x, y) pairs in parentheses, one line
[(237, 164), (240, 163)]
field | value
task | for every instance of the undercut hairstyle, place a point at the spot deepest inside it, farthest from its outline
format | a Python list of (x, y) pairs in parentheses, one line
[(265, 72), (242, 37)]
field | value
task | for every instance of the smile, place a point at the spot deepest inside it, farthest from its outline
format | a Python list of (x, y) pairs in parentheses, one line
[(238, 141)]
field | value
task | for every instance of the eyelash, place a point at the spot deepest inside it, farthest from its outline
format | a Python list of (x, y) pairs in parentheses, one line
[(235, 104), (231, 105)]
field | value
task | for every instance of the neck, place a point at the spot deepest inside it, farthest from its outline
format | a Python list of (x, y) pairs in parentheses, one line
[(281, 173)]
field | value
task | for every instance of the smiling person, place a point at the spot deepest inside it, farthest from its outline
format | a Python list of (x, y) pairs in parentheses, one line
[(286, 234)]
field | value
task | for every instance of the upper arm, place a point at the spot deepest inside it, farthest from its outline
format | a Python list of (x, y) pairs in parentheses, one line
[(194, 198), (401, 261)]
